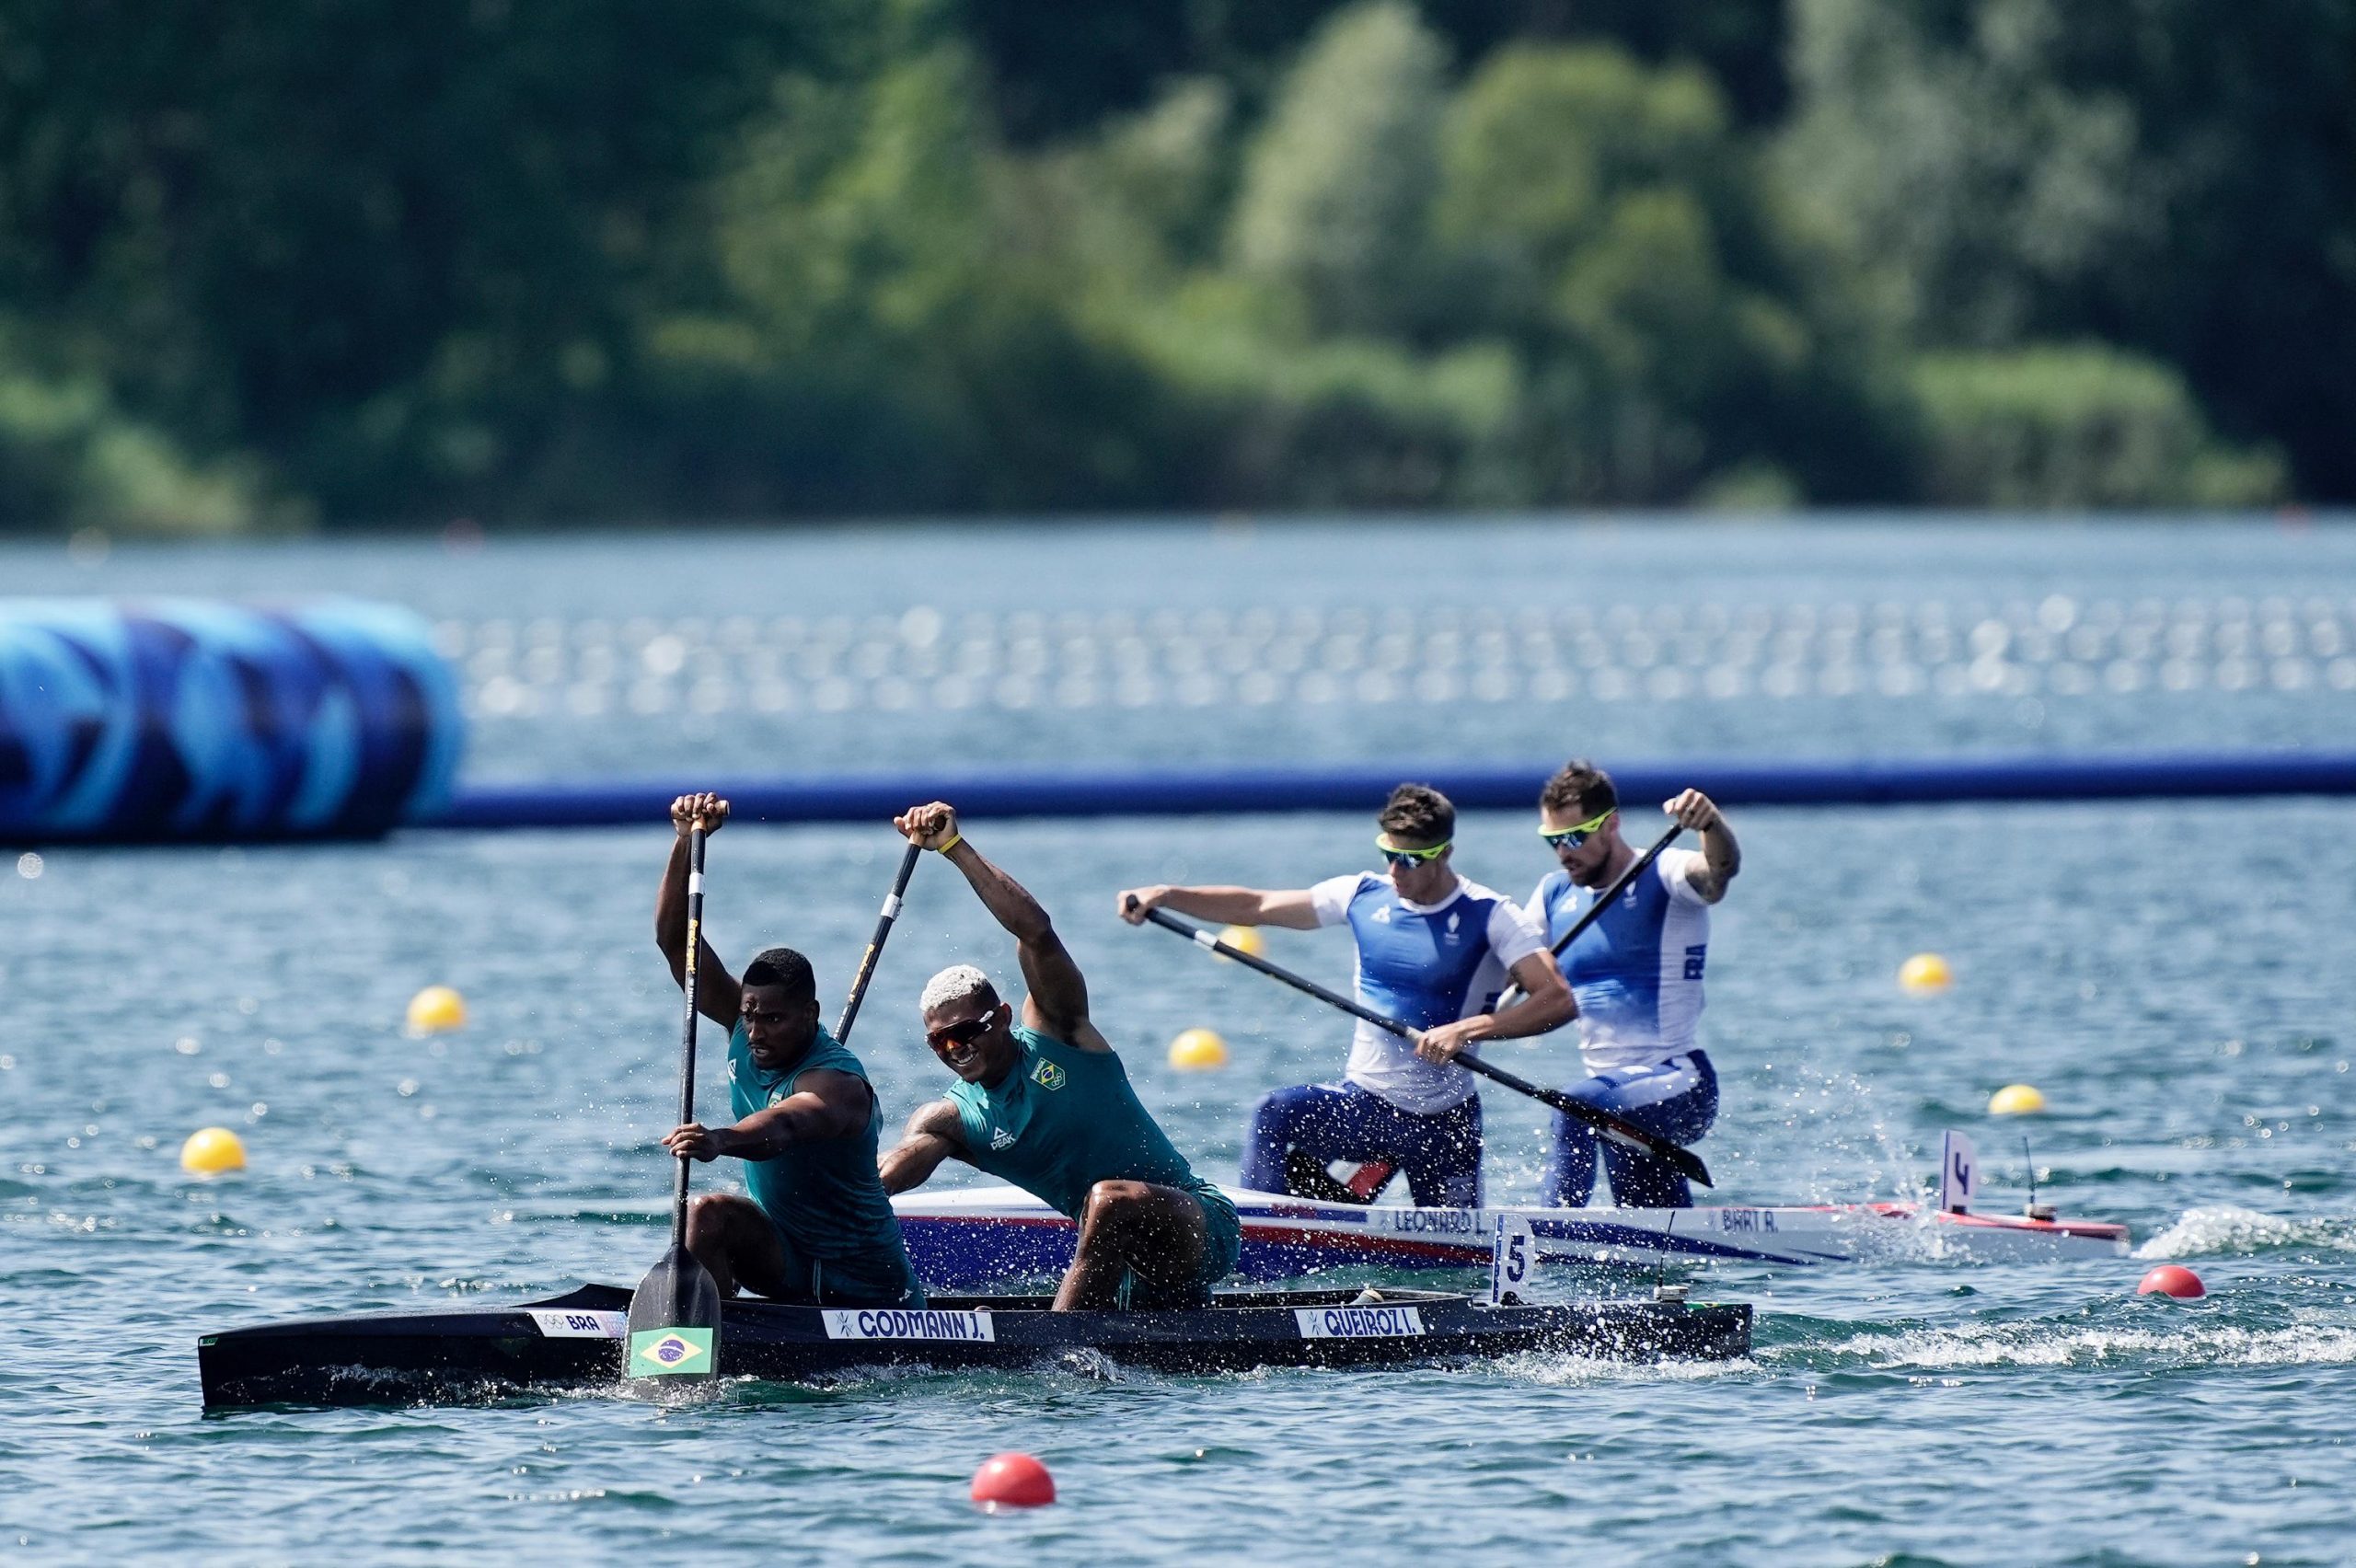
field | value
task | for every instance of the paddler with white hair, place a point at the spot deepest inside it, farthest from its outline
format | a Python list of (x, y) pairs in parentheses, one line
[(1045, 1104)]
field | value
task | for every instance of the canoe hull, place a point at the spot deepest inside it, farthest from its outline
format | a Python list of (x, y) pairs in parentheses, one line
[(469, 1354), (961, 1239)]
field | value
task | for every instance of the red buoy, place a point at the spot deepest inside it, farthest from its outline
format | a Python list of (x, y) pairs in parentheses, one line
[(2172, 1279), (1013, 1481)]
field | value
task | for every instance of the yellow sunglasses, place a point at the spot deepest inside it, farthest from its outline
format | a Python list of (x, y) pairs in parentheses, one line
[(1410, 856), (1572, 838)]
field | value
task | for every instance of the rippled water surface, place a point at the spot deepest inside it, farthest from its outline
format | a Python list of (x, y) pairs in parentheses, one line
[(2178, 980)]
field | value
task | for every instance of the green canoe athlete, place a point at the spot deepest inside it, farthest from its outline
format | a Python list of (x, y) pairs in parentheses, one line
[(818, 1230), (1046, 1105)]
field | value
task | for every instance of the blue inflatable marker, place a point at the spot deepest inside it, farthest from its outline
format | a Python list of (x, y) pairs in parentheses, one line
[(182, 720)]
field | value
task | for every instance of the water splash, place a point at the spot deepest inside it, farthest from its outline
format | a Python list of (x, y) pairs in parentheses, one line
[(1548, 1370), (2185, 1344), (2229, 1230)]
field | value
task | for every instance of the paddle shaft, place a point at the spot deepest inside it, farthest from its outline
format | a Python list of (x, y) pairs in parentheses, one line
[(689, 985), (1627, 879), (1625, 1132), (875, 943)]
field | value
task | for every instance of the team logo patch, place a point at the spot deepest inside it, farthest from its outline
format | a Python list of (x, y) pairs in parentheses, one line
[(1046, 1075), (661, 1353)]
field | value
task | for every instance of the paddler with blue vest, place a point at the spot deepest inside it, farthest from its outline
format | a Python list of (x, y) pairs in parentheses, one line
[(816, 1230), (1045, 1104), (1434, 951), (1637, 975)]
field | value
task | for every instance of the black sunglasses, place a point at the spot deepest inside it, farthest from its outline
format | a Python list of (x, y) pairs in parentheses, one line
[(963, 1033)]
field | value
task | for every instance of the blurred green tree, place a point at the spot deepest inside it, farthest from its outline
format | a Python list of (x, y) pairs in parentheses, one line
[(389, 247), (359, 261), (1607, 219), (1336, 186), (2175, 176), (2078, 427)]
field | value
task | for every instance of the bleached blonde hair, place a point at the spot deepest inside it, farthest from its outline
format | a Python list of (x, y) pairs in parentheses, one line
[(954, 984)]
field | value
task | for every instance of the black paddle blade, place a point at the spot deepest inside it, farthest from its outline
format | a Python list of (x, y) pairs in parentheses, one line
[(675, 1321), (1684, 1161), (1692, 1168)]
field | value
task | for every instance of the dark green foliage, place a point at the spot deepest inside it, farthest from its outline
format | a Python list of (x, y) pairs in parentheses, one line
[(2177, 175), (2077, 427), (1061, 69), (354, 261), (384, 243)]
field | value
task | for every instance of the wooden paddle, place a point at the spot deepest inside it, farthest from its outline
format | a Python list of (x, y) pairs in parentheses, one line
[(875, 944), (1620, 1131), (674, 1312), (1513, 994)]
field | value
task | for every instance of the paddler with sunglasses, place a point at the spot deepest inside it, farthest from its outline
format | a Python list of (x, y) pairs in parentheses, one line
[(1045, 1104), (1434, 950), (1637, 975)]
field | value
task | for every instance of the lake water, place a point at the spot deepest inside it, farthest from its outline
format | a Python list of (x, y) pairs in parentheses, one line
[(2178, 980)]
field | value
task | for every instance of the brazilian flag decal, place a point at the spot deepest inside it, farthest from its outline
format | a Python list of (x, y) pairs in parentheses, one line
[(1046, 1075), (660, 1353)]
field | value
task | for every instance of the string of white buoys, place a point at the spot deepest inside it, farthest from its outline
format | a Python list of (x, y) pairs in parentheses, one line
[(925, 658)]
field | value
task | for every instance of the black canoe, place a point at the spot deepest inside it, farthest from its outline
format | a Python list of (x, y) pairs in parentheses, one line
[(575, 1339)]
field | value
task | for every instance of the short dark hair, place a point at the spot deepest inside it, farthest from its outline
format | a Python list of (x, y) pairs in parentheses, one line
[(1420, 812), (783, 966), (1581, 786)]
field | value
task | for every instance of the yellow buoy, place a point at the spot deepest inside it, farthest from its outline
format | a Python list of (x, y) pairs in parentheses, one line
[(1198, 1051), (211, 1150), (1923, 973), (2015, 1099), (435, 1010), (1245, 939)]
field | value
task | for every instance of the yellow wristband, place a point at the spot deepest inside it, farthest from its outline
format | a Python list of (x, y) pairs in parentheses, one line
[(954, 840)]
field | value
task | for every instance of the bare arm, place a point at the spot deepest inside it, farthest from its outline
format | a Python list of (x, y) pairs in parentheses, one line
[(1721, 856), (1057, 1001), (1228, 905), (1547, 1004), (934, 1133), (718, 996), (828, 1105)]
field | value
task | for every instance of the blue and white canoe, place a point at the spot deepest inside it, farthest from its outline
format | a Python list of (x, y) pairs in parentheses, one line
[(962, 1237)]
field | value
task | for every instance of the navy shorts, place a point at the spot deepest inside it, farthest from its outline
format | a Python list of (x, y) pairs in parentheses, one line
[(1676, 1098), (1440, 1154)]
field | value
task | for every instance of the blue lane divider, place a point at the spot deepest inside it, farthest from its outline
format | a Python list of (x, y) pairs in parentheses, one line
[(1238, 791)]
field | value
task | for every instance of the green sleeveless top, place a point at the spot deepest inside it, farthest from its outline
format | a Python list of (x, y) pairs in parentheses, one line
[(1064, 1119), (825, 1197)]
